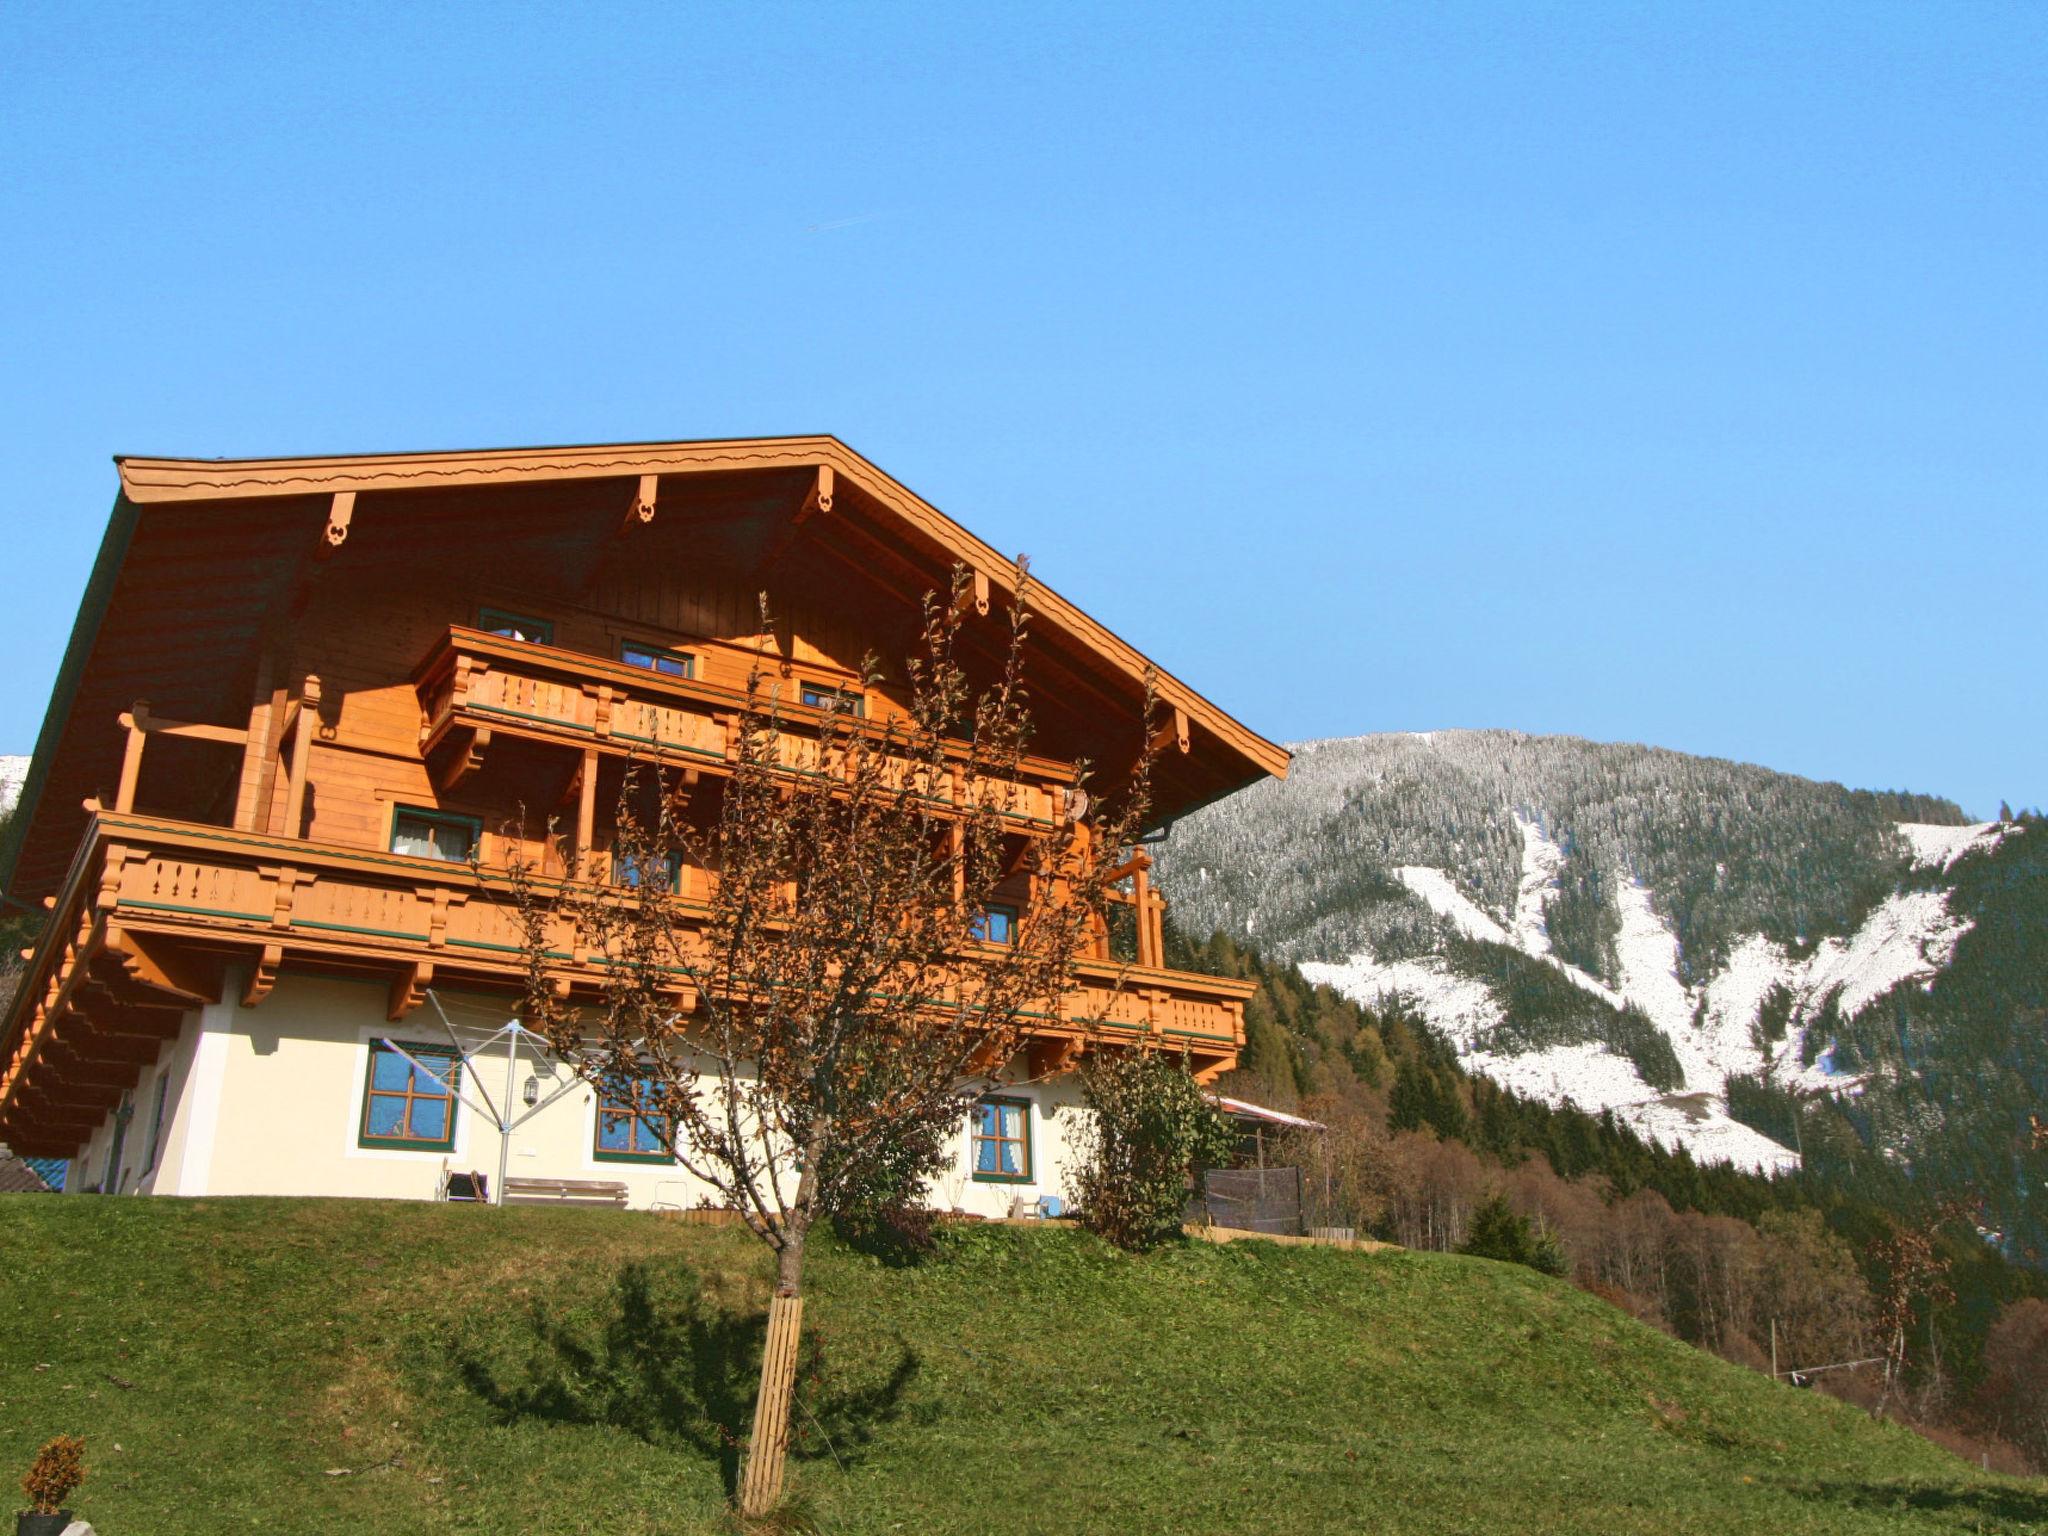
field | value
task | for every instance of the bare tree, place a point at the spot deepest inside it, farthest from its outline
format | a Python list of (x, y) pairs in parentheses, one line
[(804, 1020)]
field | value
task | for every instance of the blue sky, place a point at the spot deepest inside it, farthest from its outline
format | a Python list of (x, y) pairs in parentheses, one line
[(1667, 373)]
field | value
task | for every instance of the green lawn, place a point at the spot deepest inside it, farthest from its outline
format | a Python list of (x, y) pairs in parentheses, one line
[(354, 1366)]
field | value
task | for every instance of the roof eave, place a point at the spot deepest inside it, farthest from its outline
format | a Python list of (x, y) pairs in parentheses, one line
[(148, 480)]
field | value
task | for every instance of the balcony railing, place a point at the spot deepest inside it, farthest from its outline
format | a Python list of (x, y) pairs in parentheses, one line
[(475, 683), (216, 895)]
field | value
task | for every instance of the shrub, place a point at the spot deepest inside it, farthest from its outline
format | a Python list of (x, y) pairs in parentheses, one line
[(883, 1211), (1153, 1132), (55, 1474)]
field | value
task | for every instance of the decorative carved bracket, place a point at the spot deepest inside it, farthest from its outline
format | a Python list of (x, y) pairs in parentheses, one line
[(1053, 1056), (1172, 733), (466, 759), (642, 508), (263, 975), (974, 595), (440, 901), (409, 990), (335, 534), (288, 880)]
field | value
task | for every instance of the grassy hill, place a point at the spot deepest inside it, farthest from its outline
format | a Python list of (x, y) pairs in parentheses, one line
[(391, 1368)]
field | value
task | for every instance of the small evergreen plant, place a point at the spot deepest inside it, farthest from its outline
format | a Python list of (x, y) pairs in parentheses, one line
[(1498, 1233)]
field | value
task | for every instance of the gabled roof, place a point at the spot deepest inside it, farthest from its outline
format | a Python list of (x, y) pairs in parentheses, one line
[(258, 515)]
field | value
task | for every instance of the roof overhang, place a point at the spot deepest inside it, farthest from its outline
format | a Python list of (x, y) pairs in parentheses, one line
[(153, 481), (279, 494)]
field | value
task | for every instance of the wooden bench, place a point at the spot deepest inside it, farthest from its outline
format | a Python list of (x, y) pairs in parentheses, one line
[(565, 1192)]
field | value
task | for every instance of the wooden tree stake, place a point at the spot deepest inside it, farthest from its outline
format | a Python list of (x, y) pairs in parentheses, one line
[(761, 1482)]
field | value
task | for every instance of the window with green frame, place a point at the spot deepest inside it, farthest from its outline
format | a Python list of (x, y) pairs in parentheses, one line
[(1000, 1135), (515, 626), (410, 1105), (657, 658), (442, 835), (995, 923), (825, 696), (628, 1131)]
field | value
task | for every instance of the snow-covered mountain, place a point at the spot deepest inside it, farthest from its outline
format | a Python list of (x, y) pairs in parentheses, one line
[(13, 771), (1618, 926)]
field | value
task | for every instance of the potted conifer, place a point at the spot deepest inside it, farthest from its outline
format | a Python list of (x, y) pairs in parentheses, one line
[(52, 1478)]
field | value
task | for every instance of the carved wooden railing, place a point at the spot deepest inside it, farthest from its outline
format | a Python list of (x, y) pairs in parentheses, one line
[(474, 685)]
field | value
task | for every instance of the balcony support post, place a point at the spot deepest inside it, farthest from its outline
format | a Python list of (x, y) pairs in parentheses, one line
[(586, 815), (302, 756), (136, 723), (1141, 900)]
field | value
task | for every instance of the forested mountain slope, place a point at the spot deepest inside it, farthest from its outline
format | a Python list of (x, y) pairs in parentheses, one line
[(1710, 949)]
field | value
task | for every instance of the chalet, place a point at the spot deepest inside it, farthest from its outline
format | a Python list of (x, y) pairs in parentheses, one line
[(303, 705)]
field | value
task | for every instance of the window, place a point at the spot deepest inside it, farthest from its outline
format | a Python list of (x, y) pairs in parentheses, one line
[(1001, 1134), (434, 834), (627, 1130), (664, 871), (825, 696), (156, 1119), (655, 658), (403, 1104), (515, 626), (996, 925)]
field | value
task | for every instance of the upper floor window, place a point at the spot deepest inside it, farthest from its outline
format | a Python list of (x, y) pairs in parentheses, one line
[(435, 834), (825, 696), (1001, 1137), (995, 924), (515, 626), (409, 1104), (629, 1130), (661, 871), (655, 658)]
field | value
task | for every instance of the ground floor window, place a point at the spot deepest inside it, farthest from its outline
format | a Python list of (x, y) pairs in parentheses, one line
[(410, 1104), (629, 1130), (1001, 1138)]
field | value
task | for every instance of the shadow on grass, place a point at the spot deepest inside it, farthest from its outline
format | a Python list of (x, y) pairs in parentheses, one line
[(2024, 1508), (673, 1369)]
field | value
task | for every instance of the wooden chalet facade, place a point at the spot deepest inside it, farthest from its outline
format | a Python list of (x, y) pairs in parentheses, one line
[(301, 694)]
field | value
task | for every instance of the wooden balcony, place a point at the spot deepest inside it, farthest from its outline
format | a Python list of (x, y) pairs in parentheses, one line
[(477, 687), (154, 912)]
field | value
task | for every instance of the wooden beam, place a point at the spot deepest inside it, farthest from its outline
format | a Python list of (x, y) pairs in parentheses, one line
[(641, 509), (817, 502), (1172, 732), (335, 534), (1140, 860), (974, 595), (157, 967)]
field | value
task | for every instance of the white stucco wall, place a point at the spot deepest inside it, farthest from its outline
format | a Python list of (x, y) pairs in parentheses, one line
[(269, 1101)]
